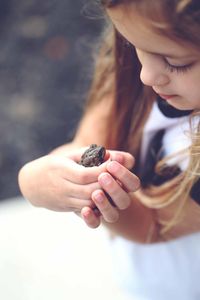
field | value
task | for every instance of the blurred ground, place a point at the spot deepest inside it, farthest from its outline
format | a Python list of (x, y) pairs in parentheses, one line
[(45, 70), (47, 259)]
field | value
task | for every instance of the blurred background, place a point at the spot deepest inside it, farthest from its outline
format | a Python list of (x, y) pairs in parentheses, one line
[(45, 70)]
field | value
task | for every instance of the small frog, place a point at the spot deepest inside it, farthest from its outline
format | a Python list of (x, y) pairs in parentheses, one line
[(93, 156)]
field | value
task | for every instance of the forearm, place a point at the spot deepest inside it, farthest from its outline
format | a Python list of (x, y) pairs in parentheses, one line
[(136, 223)]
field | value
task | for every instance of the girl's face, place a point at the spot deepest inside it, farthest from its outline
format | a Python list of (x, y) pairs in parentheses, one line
[(170, 68)]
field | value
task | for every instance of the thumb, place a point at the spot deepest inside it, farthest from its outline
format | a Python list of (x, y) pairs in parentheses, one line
[(124, 158)]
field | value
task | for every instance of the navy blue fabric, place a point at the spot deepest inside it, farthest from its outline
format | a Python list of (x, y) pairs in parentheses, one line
[(195, 192), (170, 111), (149, 176), (154, 154)]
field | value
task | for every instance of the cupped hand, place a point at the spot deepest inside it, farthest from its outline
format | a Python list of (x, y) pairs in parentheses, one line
[(59, 183), (118, 182)]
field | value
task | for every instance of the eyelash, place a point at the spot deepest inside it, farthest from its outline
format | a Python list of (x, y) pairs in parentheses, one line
[(177, 69)]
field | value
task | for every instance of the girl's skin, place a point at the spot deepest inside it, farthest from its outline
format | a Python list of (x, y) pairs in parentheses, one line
[(57, 182), (169, 67)]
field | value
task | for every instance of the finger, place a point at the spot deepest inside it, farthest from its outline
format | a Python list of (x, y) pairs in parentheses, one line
[(78, 190), (129, 180), (90, 218), (124, 158), (79, 174), (109, 213), (66, 204), (119, 196)]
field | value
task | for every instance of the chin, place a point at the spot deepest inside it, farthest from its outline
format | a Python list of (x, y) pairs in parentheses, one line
[(180, 105)]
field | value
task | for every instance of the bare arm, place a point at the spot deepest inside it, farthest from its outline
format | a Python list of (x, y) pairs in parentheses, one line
[(56, 182)]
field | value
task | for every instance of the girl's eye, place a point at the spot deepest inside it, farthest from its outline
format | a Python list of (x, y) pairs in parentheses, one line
[(178, 69)]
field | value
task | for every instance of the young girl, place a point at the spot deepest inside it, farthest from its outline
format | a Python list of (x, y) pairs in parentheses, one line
[(144, 101)]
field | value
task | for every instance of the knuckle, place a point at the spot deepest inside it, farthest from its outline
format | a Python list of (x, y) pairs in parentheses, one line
[(63, 206), (110, 214), (113, 218), (137, 183), (125, 203), (123, 172), (131, 163), (89, 190), (82, 177), (106, 180), (133, 184)]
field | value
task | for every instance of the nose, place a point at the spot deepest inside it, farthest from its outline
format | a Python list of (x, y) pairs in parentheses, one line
[(152, 72), (151, 76)]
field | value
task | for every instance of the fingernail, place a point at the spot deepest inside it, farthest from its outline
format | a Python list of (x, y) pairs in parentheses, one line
[(105, 179), (112, 166), (98, 198), (119, 158), (86, 214)]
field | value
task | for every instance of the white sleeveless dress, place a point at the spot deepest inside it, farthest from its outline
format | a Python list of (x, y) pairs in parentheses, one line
[(167, 270), (163, 271)]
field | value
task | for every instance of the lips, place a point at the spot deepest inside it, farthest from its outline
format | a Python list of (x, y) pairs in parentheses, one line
[(167, 97)]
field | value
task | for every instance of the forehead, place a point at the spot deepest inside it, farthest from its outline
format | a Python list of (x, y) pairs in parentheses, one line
[(139, 32)]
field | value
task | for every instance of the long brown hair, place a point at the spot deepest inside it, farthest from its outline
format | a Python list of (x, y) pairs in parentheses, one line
[(118, 75)]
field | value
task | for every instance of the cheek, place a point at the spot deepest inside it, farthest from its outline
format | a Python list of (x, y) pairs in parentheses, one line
[(188, 91), (191, 85), (191, 88), (194, 98), (191, 94), (187, 85)]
